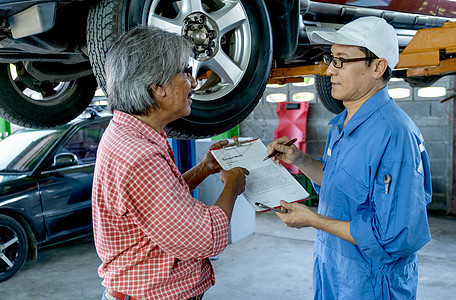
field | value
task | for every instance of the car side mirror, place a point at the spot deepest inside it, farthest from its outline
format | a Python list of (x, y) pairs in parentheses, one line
[(64, 160)]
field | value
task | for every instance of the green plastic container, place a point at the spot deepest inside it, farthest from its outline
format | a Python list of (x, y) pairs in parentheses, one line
[(5, 129), (227, 135)]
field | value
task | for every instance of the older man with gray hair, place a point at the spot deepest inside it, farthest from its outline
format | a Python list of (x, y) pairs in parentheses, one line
[(153, 237)]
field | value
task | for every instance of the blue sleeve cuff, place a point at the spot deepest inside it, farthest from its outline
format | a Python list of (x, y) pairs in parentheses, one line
[(361, 229)]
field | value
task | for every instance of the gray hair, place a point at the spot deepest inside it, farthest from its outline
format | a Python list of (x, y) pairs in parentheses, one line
[(141, 58)]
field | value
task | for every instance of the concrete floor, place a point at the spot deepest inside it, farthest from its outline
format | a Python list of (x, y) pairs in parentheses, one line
[(273, 263)]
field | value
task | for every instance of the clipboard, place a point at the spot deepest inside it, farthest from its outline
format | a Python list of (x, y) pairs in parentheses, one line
[(236, 143), (267, 182)]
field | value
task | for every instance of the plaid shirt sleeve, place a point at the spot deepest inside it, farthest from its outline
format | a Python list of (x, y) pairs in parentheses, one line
[(162, 206)]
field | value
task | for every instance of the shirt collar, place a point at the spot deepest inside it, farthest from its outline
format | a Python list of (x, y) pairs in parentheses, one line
[(364, 112), (141, 127)]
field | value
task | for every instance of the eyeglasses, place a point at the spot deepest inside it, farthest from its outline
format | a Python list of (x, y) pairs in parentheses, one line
[(188, 70), (338, 62)]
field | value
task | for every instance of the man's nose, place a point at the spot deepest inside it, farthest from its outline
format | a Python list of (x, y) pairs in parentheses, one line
[(192, 81), (330, 70)]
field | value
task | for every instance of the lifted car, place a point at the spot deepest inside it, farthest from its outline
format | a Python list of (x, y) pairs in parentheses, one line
[(52, 51)]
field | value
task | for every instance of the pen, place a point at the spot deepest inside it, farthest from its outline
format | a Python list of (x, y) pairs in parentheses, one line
[(268, 207), (289, 143)]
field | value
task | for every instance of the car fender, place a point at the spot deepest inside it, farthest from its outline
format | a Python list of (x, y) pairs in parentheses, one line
[(22, 206), (26, 224)]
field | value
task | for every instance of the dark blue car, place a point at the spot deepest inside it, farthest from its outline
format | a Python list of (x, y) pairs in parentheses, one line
[(45, 188)]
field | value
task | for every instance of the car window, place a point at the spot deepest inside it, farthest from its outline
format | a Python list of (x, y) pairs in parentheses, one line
[(23, 150), (84, 142)]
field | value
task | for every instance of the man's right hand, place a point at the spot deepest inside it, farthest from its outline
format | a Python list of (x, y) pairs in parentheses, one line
[(308, 165), (234, 184), (287, 154), (234, 179)]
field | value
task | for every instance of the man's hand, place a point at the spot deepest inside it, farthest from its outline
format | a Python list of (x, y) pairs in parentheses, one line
[(234, 179), (287, 154), (234, 184), (209, 162), (308, 165), (297, 215)]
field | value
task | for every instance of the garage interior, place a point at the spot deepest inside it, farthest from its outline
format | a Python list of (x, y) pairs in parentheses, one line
[(265, 259), (269, 260)]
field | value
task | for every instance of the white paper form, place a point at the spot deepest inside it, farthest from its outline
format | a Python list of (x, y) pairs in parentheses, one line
[(267, 182)]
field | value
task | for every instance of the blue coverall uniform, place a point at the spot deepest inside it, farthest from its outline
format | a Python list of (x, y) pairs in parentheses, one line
[(388, 221)]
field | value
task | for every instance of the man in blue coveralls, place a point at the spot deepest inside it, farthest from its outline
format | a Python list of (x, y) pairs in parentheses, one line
[(374, 179)]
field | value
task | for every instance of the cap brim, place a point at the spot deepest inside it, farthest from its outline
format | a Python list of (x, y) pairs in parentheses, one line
[(327, 38)]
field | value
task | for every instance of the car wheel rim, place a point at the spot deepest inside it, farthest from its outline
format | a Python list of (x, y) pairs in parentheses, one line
[(220, 35), (42, 93), (9, 248)]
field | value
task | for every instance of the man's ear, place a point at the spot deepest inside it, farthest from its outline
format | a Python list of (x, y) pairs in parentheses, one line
[(157, 90), (380, 66)]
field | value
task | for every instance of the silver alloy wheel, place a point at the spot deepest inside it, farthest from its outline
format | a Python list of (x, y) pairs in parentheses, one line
[(13, 247), (221, 41), (39, 93), (7, 253)]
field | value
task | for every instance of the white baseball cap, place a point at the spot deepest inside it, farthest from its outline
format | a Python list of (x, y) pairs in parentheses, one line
[(372, 33)]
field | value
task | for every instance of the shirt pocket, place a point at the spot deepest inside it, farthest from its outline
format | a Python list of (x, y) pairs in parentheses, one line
[(352, 196)]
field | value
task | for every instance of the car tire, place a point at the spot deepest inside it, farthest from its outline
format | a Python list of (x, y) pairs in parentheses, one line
[(422, 81), (241, 57), (13, 247), (26, 102), (324, 92)]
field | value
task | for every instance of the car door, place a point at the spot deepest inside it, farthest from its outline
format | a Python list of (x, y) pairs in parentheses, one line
[(66, 191)]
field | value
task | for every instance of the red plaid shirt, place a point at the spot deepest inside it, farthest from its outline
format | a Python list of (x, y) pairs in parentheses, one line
[(152, 236)]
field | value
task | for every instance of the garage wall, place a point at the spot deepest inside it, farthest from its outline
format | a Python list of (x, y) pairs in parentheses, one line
[(432, 117)]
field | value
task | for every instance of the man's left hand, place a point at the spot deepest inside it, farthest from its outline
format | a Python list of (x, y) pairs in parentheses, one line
[(209, 162), (296, 215)]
